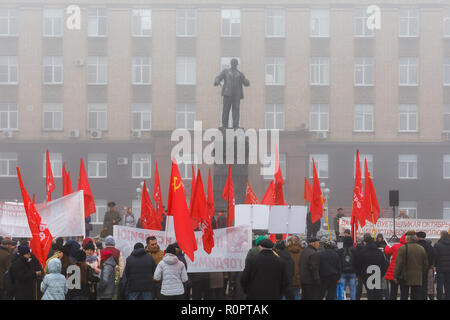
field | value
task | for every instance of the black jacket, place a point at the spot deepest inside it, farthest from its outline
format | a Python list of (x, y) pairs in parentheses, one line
[(369, 255), (330, 263), (139, 270), (342, 253), (429, 250), (309, 266), (23, 277), (265, 277), (442, 255)]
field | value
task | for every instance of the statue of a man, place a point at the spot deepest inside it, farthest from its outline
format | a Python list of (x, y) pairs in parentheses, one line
[(232, 92)]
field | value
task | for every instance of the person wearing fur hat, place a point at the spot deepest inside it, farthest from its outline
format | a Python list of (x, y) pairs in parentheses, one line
[(107, 285), (54, 285), (329, 271), (309, 271), (23, 275), (295, 250)]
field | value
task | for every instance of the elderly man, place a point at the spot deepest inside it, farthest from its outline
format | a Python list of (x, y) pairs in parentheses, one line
[(309, 271)]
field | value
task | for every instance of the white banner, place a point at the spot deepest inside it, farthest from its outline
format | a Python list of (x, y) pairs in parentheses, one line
[(64, 217), (385, 226), (229, 252)]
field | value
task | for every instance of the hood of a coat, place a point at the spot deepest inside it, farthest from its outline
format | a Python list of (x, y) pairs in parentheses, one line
[(138, 252), (54, 266), (111, 261), (170, 258)]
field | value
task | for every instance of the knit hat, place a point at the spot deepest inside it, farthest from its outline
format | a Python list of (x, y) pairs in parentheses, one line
[(171, 249), (106, 255), (266, 243), (58, 247), (89, 246), (138, 246), (368, 238), (23, 250), (348, 231), (86, 241), (311, 240), (421, 234), (80, 256), (259, 239), (109, 241)]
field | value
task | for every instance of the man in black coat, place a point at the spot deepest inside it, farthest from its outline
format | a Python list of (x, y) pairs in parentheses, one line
[(442, 263), (280, 249), (309, 271), (265, 276), (311, 228), (329, 271), (365, 259), (23, 275), (430, 254), (139, 271)]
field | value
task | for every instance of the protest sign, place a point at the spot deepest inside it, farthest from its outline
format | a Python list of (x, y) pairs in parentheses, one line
[(287, 219), (252, 214)]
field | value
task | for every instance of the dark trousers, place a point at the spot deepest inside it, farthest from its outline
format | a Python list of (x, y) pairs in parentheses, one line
[(216, 294), (443, 285), (231, 103), (359, 288), (416, 292), (200, 289), (328, 287), (373, 294), (394, 290), (177, 297), (310, 291), (425, 285)]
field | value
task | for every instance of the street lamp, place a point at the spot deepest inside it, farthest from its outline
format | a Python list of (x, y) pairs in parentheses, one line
[(325, 194)]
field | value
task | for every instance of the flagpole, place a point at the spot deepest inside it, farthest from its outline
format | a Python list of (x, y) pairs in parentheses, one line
[(326, 218), (373, 219)]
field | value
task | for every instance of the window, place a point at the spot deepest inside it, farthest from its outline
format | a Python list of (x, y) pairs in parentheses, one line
[(274, 71), (97, 70), (447, 117), (185, 116), (142, 164), (363, 71), (185, 166), (282, 159), (142, 70), (97, 22), (447, 71), (8, 70), (446, 211), (275, 116), (53, 70), (362, 158), (142, 117), (142, 23), (407, 166), (407, 118), (97, 165), (447, 23), (186, 70), (55, 163), (97, 117), (320, 23), (318, 117), (321, 161), (275, 23), (225, 62), (53, 22), (446, 166), (410, 208), (186, 22), (99, 215), (408, 71), (320, 71), (363, 118), (408, 23), (53, 117), (361, 29), (231, 22), (136, 207), (8, 22), (8, 116), (8, 164)]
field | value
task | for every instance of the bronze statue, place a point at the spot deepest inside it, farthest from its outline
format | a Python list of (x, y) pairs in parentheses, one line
[(232, 92)]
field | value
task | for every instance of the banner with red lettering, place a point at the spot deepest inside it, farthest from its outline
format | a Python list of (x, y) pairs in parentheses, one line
[(385, 226), (228, 255)]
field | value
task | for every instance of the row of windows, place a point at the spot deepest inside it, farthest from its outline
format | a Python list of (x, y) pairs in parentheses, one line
[(186, 22), (186, 70), (141, 117)]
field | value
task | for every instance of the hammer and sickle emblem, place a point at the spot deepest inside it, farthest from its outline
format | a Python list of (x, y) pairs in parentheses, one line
[(175, 186)]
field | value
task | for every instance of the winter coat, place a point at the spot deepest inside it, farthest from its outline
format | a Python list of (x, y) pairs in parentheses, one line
[(139, 271), (412, 267), (295, 252), (108, 222), (107, 286), (344, 252), (157, 256), (85, 289), (265, 277), (309, 266), (5, 262), (442, 255), (54, 285), (330, 263), (392, 251), (173, 274), (286, 256), (251, 253), (429, 250), (117, 256), (367, 256), (23, 277)]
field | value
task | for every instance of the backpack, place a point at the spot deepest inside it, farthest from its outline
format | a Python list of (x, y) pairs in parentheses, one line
[(347, 261)]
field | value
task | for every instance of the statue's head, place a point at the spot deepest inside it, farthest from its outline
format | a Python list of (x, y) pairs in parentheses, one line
[(234, 63)]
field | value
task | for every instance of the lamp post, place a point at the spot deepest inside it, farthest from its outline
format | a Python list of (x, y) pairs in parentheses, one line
[(325, 194)]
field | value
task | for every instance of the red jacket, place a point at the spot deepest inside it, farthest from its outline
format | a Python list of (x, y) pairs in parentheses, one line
[(392, 251)]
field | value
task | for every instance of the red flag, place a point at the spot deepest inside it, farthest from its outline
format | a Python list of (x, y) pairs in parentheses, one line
[(67, 184), (41, 240), (210, 197), (49, 182), (354, 229), (228, 196), (157, 196), (357, 211), (195, 221), (83, 184), (177, 207), (269, 196), (316, 206), (307, 191), (370, 202), (149, 217), (250, 196), (279, 197)]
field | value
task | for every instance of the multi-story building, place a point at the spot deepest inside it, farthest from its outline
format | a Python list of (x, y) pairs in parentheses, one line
[(113, 90)]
